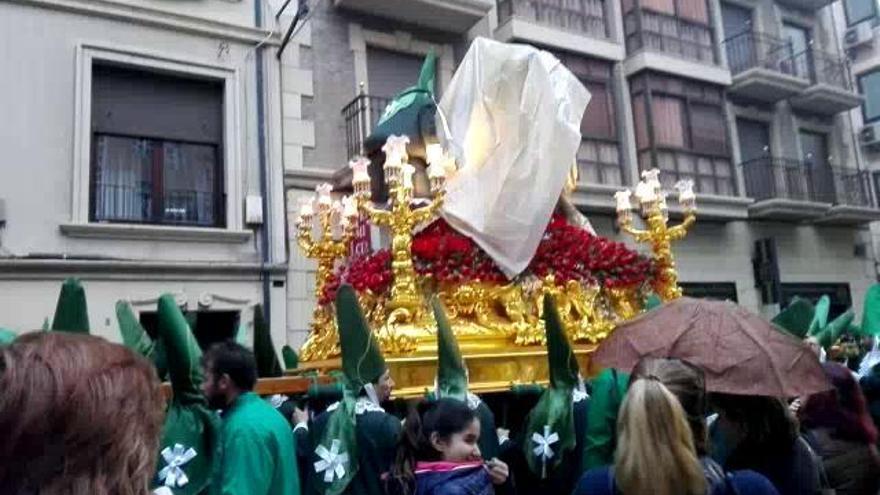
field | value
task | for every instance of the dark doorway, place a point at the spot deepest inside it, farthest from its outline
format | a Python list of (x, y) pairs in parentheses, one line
[(720, 291), (208, 327)]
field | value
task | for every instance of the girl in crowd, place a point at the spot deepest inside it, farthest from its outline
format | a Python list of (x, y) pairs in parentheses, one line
[(78, 415), (661, 442), (843, 434), (439, 453)]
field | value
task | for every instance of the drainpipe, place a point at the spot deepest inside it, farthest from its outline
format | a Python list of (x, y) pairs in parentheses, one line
[(264, 179)]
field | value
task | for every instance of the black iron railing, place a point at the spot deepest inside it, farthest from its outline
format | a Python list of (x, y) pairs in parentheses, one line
[(142, 203), (361, 115), (750, 49), (827, 68), (655, 31), (578, 16), (786, 178)]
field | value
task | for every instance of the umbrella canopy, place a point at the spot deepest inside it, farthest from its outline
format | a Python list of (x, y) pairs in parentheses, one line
[(740, 352)]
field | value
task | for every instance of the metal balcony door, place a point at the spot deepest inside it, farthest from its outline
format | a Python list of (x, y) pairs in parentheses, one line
[(737, 23), (798, 40), (755, 153), (814, 152)]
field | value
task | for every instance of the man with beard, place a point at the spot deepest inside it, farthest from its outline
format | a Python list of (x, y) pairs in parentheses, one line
[(256, 452)]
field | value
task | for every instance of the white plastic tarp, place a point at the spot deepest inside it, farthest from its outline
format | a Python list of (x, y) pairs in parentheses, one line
[(512, 119)]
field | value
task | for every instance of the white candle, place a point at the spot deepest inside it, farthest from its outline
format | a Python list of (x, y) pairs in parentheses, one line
[(623, 200), (324, 198), (359, 166), (434, 154), (306, 207), (395, 150), (685, 189), (449, 166), (437, 170), (408, 171), (663, 205), (349, 208), (645, 192)]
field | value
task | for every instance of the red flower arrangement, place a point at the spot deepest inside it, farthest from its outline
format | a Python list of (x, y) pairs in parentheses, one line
[(566, 251), (371, 272), (448, 256), (569, 252)]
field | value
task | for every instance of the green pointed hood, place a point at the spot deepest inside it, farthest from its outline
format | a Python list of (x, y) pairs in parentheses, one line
[(796, 318), (71, 312), (6, 336), (832, 332), (362, 360), (820, 315), (564, 369), (264, 350), (291, 360), (182, 350), (550, 433), (451, 371), (339, 437), (414, 95), (870, 325), (135, 337), (191, 429)]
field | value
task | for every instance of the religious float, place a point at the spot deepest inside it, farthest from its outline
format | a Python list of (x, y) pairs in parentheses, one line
[(495, 311)]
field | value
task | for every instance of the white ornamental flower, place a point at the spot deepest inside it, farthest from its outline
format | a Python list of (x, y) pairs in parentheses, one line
[(172, 474), (332, 462)]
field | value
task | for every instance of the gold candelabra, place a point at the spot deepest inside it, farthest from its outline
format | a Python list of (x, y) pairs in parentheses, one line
[(655, 212), (336, 222), (405, 303)]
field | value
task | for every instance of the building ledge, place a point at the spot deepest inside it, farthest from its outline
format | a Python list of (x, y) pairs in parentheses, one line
[(515, 29), (701, 71), (761, 84), (826, 99), (455, 16), (45, 267), (787, 209), (154, 233), (849, 215), (308, 178), (148, 16)]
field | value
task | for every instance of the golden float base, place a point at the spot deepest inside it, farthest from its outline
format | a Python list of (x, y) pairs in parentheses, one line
[(492, 371)]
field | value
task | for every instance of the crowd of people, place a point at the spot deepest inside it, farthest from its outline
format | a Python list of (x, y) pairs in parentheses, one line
[(80, 415)]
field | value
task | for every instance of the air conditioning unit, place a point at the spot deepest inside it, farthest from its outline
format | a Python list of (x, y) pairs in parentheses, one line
[(869, 136), (860, 34)]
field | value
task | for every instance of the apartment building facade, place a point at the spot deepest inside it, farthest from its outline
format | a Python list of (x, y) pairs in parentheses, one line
[(143, 154), (748, 98)]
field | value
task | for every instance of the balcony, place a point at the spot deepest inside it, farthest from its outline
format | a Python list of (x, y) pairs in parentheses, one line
[(361, 115), (762, 68), (808, 5), (673, 45), (830, 91), (789, 189), (580, 26), (456, 16)]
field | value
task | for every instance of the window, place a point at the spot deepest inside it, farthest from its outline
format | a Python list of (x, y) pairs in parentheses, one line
[(719, 291), (599, 154), (841, 298), (679, 27), (681, 129), (390, 72), (857, 11), (869, 86), (157, 147)]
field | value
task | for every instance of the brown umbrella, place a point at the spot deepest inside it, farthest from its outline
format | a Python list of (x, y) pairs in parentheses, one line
[(740, 352)]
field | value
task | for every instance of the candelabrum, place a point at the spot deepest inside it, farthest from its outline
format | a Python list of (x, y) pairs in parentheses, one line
[(336, 223), (654, 210), (401, 217)]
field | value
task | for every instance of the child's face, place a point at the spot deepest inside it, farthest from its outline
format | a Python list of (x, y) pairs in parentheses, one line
[(461, 446)]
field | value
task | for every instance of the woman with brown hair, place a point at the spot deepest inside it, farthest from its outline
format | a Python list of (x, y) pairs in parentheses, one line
[(78, 415), (661, 440)]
